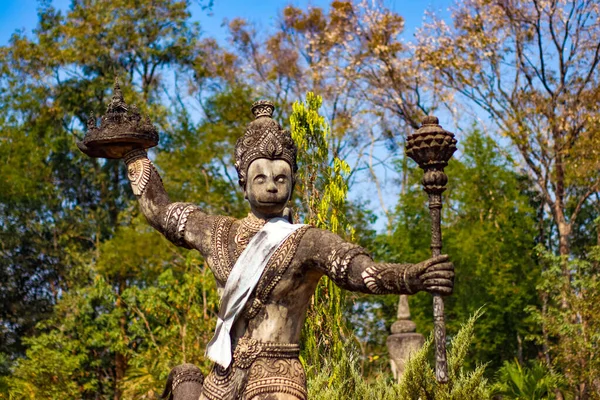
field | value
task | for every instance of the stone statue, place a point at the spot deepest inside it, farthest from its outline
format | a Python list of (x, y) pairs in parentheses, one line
[(263, 310)]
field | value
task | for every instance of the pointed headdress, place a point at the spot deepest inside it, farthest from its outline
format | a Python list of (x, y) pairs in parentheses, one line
[(264, 138)]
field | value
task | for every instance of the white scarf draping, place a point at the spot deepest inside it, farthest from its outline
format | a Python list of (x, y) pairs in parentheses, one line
[(241, 282)]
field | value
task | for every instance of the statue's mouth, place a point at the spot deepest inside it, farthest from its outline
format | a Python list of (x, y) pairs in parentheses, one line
[(269, 203)]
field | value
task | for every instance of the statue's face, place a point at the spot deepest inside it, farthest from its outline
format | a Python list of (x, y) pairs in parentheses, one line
[(269, 187)]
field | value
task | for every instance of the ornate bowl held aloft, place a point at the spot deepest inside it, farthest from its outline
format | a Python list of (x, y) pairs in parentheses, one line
[(121, 130)]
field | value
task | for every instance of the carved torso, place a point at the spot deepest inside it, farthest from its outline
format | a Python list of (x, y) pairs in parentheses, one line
[(266, 357), (230, 237)]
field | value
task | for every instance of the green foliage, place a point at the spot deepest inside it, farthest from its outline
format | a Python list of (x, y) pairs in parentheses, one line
[(4, 372), (116, 317), (320, 180), (200, 155), (534, 382), (169, 316), (56, 204), (342, 379), (571, 323), (74, 253), (419, 381), (65, 361), (322, 191), (169, 327), (490, 235)]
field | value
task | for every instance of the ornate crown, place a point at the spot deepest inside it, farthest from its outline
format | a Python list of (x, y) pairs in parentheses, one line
[(264, 138)]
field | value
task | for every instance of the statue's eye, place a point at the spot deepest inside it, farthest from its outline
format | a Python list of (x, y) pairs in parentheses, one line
[(281, 179), (260, 179)]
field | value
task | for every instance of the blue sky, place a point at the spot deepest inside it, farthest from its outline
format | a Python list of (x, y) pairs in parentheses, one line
[(22, 14)]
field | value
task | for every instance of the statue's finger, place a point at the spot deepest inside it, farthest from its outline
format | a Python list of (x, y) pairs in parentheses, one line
[(437, 282), (438, 274), (446, 266), (433, 261), (443, 290), (438, 259)]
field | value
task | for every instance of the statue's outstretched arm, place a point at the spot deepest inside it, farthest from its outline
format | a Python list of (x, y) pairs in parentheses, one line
[(184, 224), (351, 267)]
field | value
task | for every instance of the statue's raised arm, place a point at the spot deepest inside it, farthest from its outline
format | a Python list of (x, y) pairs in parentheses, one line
[(169, 218), (124, 134)]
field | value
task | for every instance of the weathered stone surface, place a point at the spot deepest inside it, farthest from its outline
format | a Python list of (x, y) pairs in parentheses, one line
[(122, 129), (403, 326), (401, 346), (184, 383), (403, 309), (432, 147)]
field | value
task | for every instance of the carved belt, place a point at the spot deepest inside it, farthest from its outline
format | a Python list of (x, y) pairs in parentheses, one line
[(258, 368), (249, 349)]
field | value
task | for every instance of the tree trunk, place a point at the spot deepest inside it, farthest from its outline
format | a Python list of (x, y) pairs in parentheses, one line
[(564, 231), (120, 358), (120, 367)]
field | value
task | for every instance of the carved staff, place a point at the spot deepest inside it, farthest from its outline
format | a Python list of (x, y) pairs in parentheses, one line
[(431, 147)]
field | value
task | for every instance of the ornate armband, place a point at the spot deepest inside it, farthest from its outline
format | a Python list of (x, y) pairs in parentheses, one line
[(139, 170), (384, 278), (176, 219), (339, 261), (221, 262)]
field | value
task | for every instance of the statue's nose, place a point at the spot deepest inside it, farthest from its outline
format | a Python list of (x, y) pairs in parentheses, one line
[(272, 188)]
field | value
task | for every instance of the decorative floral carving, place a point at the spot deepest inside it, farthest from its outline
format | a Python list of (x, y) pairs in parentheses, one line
[(276, 375), (382, 278), (340, 258), (121, 129), (139, 169), (278, 264), (189, 374), (176, 219), (220, 261), (223, 384), (258, 368), (247, 229), (246, 352)]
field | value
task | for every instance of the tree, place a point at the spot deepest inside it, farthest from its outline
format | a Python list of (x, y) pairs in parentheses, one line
[(571, 334), (322, 194), (59, 220), (532, 66), (353, 56)]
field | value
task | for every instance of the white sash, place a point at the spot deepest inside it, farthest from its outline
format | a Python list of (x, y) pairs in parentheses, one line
[(241, 282)]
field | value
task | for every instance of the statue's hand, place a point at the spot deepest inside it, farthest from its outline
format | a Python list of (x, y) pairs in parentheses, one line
[(435, 275)]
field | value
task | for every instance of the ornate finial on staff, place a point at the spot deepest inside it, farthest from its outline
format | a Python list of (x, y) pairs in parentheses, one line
[(431, 147)]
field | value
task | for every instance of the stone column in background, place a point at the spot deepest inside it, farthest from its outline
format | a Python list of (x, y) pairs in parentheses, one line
[(403, 340)]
